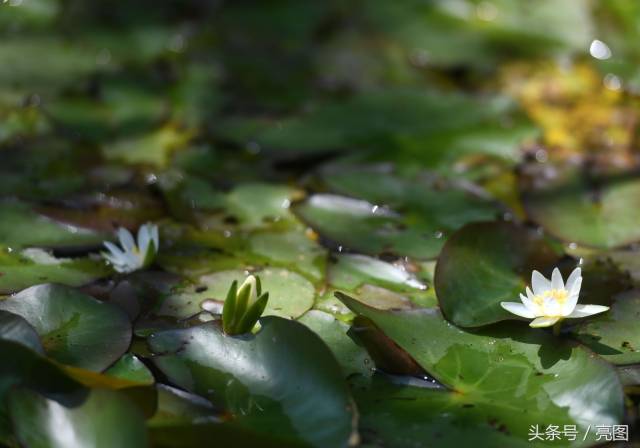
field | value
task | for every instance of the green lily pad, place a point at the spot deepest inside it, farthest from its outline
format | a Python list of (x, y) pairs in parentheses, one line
[(130, 368), (19, 270), (353, 358), (43, 232), (123, 108), (75, 329), (154, 148), (293, 250), (257, 204), (177, 406), (399, 416), (484, 264), (290, 294), (15, 328), (553, 382), (381, 284), (30, 369), (225, 434), (382, 119), (284, 377), (614, 335), (103, 419), (603, 214), (359, 225), (439, 206)]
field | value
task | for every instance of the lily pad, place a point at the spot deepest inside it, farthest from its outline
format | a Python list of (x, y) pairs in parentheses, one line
[(381, 284), (103, 419), (356, 224), (43, 232), (614, 335), (15, 328), (177, 406), (438, 205), (283, 376), (293, 250), (484, 264), (602, 214), (19, 270), (401, 416), (30, 369), (353, 358), (152, 149), (553, 382), (75, 329), (130, 368), (290, 294)]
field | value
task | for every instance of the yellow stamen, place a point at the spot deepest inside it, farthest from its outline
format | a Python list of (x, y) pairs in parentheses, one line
[(559, 295)]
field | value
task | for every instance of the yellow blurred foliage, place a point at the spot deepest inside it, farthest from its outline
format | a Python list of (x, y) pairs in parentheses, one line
[(582, 113)]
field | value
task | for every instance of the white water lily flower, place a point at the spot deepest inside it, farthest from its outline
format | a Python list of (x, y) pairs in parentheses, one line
[(552, 301), (133, 255)]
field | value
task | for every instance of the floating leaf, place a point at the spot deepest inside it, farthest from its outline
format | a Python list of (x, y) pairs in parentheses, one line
[(15, 328), (102, 419), (75, 329), (176, 406), (362, 226), (284, 375), (290, 294), (603, 214), (293, 250), (43, 232), (353, 358), (615, 335), (552, 381), (19, 270), (130, 368), (484, 264)]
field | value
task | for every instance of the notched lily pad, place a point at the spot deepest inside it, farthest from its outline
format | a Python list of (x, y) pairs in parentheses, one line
[(484, 264), (553, 382), (75, 329), (284, 375)]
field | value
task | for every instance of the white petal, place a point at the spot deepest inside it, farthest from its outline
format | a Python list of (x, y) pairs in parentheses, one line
[(587, 310), (518, 309), (527, 302), (569, 305), (110, 258), (126, 239), (115, 250), (556, 279), (543, 322), (573, 277), (572, 300), (144, 236), (539, 283), (155, 236)]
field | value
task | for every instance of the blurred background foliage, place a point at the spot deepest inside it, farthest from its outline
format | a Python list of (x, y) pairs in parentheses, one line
[(332, 145)]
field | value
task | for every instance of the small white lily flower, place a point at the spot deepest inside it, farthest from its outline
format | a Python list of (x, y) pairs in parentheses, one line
[(133, 255), (552, 301)]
